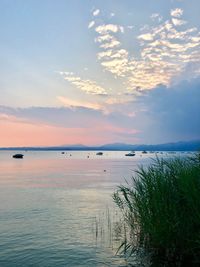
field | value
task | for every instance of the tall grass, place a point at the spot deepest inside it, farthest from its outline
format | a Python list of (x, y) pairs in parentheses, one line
[(161, 208)]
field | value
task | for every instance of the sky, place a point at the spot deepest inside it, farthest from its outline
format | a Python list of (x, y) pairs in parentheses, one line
[(94, 72)]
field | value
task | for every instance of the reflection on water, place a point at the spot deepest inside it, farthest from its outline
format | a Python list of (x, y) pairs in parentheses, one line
[(53, 205)]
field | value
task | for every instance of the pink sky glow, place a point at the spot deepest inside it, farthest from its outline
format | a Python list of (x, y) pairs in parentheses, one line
[(15, 132)]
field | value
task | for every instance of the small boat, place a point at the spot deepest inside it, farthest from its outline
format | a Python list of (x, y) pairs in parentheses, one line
[(130, 154), (99, 153), (18, 156), (144, 152)]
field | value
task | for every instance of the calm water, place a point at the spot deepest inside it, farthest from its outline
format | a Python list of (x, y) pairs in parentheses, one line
[(53, 207)]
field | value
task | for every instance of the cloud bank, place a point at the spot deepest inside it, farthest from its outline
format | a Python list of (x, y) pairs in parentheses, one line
[(160, 115)]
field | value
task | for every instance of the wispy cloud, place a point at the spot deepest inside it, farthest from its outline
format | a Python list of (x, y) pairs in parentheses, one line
[(68, 102), (4, 117), (91, 24), (130, 27), (87, 86), (178, 22), (96, 12), (156, 16)]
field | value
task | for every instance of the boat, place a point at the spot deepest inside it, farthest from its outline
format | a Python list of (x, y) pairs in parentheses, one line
[(130, 154), (99, 153), (144, 152), (18, 156)]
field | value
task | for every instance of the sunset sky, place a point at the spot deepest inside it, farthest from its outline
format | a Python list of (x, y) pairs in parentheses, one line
[(94, 72)]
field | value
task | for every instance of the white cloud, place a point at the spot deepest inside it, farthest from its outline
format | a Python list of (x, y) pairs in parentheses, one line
[(164, 54), (103, 38), (177, 12), (105, 28), (106, 38), (111, 44), (96, 12), (113, 54), (178, 22), (91, 24), (146, 37), (87, 86), (165, 50)]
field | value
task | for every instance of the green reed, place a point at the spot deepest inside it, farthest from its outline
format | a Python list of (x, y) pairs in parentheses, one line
[(161, 208)]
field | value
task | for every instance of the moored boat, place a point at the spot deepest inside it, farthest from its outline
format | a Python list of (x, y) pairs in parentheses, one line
[(144, 152), (130, 154), (18, 156)]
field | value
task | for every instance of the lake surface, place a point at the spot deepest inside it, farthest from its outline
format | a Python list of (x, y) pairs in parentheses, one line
[(57, 209)]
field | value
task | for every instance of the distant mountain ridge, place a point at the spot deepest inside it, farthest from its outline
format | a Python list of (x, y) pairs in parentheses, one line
[(176, 146)]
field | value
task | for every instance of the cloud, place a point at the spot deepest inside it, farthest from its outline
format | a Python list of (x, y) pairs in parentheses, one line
[(112, 54), (26, 134), (4, 117), (178, 22), (177, 12), (172, 112), (63, 126), (106, 28), (66, 117), (103, 38), (111, 44), (130, 27), (169, 51), (75, 103), (156, 16), (165, 52), (160, 115), (87, 86), (146, 37), (91, 24), (96, 12), (113, 57)]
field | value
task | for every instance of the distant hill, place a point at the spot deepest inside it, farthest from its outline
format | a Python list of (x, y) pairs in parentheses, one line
[(177, 146), (75, 146)]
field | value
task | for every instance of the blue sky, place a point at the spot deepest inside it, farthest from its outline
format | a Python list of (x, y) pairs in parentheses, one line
[(96, 72)]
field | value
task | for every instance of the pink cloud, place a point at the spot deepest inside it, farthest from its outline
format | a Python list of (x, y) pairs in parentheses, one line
[(18, 132)]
